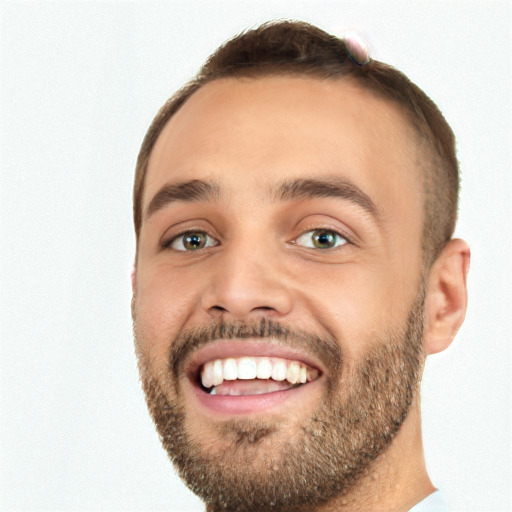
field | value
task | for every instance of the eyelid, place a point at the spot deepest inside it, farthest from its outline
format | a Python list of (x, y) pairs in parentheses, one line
[(330, 220)]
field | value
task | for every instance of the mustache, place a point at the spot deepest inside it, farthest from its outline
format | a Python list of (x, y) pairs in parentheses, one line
[(326, 348)]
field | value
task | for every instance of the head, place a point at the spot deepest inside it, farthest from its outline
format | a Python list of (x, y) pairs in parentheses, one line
[(294, 214)]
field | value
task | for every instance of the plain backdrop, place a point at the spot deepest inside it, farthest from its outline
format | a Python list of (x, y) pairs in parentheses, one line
[(80, 83)]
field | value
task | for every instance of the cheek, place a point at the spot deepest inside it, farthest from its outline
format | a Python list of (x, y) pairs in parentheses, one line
[(162, 306), (353, 304)]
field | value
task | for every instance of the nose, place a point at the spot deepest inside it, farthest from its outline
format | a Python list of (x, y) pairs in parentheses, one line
[(247, 284)]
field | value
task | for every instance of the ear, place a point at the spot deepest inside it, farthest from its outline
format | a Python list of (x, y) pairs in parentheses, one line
[(133, 277), (447, 296)]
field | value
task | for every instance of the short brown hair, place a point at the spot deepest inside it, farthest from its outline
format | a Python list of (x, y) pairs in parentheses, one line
[(300, 49)]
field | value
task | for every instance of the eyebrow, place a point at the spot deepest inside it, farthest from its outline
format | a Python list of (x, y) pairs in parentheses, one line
[(193, 190), (288, 190), (329, 187)]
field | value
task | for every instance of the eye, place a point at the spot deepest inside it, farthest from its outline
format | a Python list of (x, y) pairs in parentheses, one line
[(321, 239), (191, 241)]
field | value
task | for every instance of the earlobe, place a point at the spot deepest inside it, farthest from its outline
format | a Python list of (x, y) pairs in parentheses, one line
[(446, 299)]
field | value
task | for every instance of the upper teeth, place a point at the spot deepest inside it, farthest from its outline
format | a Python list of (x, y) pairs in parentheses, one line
[(215, 372)]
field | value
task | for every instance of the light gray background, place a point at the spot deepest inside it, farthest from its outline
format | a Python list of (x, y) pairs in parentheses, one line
[(80, 83)]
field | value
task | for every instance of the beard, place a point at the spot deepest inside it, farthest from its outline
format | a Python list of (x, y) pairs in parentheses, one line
[(263, 465)]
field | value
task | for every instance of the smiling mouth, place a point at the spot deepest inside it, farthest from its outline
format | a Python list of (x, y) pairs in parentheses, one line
[(243, 376)]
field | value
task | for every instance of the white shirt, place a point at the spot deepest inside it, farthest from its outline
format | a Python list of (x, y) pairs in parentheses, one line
[(435, 502)]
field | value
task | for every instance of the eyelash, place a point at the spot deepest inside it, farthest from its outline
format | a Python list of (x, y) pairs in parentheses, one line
[(209, 239)]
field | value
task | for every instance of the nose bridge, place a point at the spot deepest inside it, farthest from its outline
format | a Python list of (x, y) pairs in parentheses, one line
[(248, 278)]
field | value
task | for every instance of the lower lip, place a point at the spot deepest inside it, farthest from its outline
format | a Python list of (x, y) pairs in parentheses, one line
[(247, 404)]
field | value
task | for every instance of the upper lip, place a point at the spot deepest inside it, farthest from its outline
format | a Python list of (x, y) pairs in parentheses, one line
[(250, 348)]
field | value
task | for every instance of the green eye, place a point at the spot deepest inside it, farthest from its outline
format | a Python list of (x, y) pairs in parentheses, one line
[(321, 239), (192, 241)]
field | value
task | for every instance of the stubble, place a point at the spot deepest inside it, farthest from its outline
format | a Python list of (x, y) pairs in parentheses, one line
[(263, 466)]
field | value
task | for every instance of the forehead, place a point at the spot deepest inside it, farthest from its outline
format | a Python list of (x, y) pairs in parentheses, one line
[(247, 134)]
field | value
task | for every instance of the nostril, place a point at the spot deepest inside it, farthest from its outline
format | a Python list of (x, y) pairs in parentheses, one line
[(222, 310)]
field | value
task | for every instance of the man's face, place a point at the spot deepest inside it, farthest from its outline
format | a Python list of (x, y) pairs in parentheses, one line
[(281, 239)]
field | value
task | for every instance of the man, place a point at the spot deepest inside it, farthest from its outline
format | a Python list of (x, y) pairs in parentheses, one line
[(294, 208)]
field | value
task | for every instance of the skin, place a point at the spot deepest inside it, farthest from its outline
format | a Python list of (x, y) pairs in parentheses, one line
[(247, 136)]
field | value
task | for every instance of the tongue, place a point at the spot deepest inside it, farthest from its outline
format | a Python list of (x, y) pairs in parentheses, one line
[(250, 387)]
